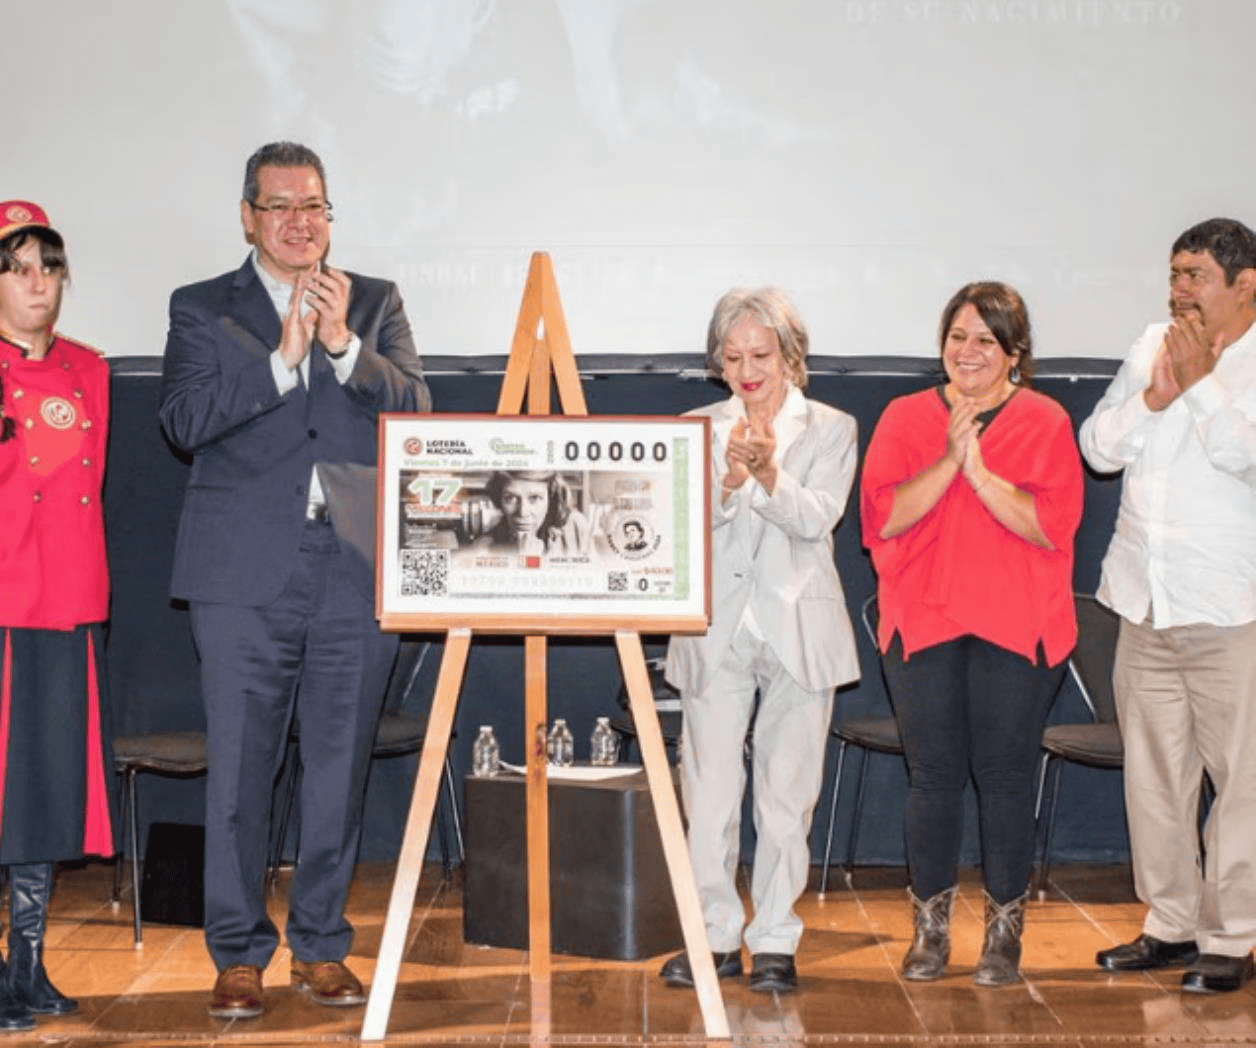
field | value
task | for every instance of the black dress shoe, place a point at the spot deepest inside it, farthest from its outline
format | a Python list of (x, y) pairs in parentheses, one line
[(773, 972), (1145, 953), (677, 972), (1217, 973)]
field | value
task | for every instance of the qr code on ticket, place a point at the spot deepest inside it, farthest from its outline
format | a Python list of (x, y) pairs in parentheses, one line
[(617, 581), (424, 572)]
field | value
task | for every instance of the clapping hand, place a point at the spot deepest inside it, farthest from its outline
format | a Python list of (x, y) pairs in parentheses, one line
[(298, 330), (737, 457), (328, 293), (750, 453), (1191, 356), (1162, 390), (962, 445), (961, 433)]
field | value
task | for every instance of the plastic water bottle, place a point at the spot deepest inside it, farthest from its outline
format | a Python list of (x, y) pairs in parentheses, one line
[(604, 744), (560, 747), (486, 756)]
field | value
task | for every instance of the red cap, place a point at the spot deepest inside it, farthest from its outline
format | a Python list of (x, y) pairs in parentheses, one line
[(16, 215)]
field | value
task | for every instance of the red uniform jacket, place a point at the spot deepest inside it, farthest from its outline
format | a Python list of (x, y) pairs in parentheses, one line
[(53, 569)]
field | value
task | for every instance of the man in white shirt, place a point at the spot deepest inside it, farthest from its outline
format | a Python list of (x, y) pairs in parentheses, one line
[(1180, 420)]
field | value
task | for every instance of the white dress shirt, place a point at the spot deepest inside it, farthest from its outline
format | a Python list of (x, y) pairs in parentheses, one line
[(286, 378), (1184, 549)]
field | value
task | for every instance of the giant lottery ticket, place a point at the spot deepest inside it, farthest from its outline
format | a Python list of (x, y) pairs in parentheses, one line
[(540, 519)]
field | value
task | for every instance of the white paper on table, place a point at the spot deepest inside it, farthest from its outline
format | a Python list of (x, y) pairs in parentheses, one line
[(580, 772)]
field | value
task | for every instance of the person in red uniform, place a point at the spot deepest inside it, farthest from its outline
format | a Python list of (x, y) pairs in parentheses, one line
[(55, 756), (971, 497)]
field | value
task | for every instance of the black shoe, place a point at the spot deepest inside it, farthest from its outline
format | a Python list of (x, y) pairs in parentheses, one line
[(1217, 973), (1145, 953), (676, 972), (773, 972)]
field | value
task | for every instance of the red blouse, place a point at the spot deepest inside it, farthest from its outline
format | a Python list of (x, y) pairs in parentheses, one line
[(958, 571), (53, 569)]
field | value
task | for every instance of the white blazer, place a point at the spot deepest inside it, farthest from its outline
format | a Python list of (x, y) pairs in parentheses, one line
[(774, 553)]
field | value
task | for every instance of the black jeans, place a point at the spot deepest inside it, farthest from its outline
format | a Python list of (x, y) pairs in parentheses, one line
[(970, 707)]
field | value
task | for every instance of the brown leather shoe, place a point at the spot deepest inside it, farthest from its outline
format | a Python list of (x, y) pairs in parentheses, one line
[(327, 982), (237, 993)]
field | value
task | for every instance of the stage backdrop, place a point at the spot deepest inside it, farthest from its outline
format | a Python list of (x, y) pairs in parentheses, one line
[(868, 155), (153, 667)]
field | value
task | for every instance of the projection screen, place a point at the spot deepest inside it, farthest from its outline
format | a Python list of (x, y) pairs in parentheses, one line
[(868, 155)]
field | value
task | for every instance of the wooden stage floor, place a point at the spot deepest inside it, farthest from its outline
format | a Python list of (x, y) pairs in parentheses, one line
[(453, 994)]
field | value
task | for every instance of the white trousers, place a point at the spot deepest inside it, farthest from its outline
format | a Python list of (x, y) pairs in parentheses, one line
[(791, 731), (1186, 701)]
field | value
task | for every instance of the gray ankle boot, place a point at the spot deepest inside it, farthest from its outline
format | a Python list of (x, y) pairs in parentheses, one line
[(931, 948), (1000, 956)]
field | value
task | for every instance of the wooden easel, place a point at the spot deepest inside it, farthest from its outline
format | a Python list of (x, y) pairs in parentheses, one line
[(541, 348)]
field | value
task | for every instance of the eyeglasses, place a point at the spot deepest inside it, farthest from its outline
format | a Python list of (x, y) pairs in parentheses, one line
[(314, 210)]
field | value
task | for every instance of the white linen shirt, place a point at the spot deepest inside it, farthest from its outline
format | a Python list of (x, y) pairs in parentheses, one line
[(1184, 548)]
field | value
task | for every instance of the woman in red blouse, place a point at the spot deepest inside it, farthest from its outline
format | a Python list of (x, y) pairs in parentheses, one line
[(971, 497), (55, 759)]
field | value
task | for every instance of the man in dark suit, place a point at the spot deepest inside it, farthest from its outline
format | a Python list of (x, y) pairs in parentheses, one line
[(273, 379)]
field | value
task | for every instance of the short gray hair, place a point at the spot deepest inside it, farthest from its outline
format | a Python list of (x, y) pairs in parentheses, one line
[(772, 308), (280, 154)]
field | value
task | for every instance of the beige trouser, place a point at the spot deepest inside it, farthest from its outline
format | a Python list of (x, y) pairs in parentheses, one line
[(1186, 700), (791, 731)]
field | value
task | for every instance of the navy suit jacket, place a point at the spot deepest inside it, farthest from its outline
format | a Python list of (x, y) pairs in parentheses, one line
[(253, 449)]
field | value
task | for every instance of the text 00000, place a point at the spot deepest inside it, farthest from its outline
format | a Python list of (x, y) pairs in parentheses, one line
[(615, 451)]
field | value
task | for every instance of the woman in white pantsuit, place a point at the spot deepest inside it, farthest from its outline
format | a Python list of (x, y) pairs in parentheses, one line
[(783, 467)]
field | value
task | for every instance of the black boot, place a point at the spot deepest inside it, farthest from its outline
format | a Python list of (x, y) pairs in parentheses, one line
[(931, 948), (29, 888), (999, 964), (15, 1017)]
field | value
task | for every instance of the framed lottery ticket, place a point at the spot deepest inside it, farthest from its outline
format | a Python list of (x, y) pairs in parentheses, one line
[(536, 525)]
